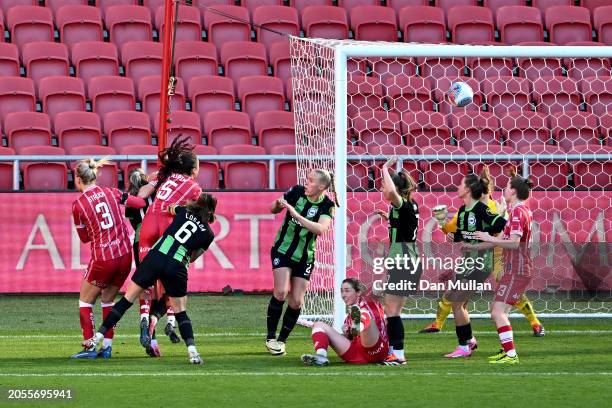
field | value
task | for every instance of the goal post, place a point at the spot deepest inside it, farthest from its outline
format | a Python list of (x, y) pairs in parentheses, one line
[(356, 102)]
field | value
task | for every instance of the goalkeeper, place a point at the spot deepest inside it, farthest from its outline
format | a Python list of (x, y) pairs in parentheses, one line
[(449, 227)]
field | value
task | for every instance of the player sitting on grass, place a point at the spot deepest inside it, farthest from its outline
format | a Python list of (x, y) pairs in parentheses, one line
[(524, 305), (309, 214), (187, 237), (364, 333), (98, 219), (517, 264)]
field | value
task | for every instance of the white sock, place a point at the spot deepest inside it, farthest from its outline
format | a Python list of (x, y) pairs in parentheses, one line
[(153, 342), (465, 348), (399, 354), (98, 336), (472, 340), (107, 343), (145, 316), (391, 351), (322, 352), (511, 353), (192, 349), (172, 320)]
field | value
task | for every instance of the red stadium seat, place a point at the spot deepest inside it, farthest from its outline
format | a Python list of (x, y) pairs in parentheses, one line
[(534, 68), (377, 127), (94, 58), (597, 93), (349, 5), (153, 5), (29, 24), (274, 128), (188, 28), (259, 94), (79, 23), (44, 59), (149, 94), (141, 58), (388, 69), (495, 5), (301, 5), (447, 5), (16, 95), (55, 5), (128, 23), (145, 150), (489, 67), (555, 94), (549, 174), (106, 4), (280, 60), (471, 24), (208, 176), (222, 28), (44, 175), (602, 16), (9, 60), (472, 130), (593, 5), (77, 129), (210, 93), (443, 175), (125, 128), (278, 18), (182, 123), (435, 68), (285, 172), (111, 93), (7, 4), (27, 129), (108, 174), (243, 58), (605, 128), (245, 175), (195, 58), (1, 25), (6, 169), (223, 128), (545, 4), (499, 169), (61, 94), (422, 24), (374, 23), (579, 68), (325, 22), (251, 5), (506, 93), (568, 23), (519, 24), (364, 93), (523, 128), (398, 5), (442, 83), (425, 128), (357, 171), (573, 128), (592, 174)]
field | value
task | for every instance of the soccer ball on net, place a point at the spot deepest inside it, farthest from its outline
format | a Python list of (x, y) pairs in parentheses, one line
[(460, 94)]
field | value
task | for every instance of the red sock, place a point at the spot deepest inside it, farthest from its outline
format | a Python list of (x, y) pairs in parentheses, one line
[(87, 319), (106, 309), (145, 303), (506, 338), (320, 339)]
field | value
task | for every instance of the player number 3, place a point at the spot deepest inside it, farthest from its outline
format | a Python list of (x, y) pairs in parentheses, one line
[(107, 218)]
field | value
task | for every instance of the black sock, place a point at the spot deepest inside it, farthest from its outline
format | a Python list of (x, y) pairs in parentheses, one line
[(158, 308), (464, 334), (289, 320), (184, 325), (115, 315), (395, 330), (275, 310)]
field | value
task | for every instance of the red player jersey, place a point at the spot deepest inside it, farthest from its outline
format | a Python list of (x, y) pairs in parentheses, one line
[(377, 312), (518, 261), (97, 210), (177, 189)]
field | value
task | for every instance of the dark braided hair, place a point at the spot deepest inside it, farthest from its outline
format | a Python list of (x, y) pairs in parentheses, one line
[(178, 158)]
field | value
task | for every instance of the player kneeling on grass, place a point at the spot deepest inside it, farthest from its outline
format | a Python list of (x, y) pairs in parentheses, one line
[(517, 264), (364, 333), (309, 214), (187, 237)]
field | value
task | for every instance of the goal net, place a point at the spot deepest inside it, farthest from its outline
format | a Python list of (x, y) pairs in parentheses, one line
[(544, 110)]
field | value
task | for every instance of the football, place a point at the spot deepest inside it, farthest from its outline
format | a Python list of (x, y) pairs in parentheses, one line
[(460, 94)]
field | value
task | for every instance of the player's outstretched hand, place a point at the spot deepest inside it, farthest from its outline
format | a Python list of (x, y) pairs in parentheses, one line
[(287, 206), (392, 160), (483, 236), (383, 214)]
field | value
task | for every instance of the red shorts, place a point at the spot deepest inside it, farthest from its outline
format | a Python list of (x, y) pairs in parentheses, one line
[(511, 287), (357, 354), (112, 272), (153, 227)]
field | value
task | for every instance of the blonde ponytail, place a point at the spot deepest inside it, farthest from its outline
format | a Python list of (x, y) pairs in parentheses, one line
[(87, 169)]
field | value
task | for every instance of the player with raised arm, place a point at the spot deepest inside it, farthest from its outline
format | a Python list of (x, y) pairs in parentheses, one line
[(524, 305), (98, 219), (174, 185), (403, 218), (309, 215), (187, 237), (364, 333), (517, 264), (473, 216)]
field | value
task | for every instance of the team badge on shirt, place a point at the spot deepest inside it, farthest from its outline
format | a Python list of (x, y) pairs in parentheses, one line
[(312, 212), (471, 220)]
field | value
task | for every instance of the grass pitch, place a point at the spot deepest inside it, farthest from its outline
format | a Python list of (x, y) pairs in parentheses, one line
[(571, 366)]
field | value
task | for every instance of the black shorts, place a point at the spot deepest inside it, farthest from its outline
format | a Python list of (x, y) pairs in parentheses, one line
[(404, 275), (171, 273), (469, 276), (298, 269), (136, 254)]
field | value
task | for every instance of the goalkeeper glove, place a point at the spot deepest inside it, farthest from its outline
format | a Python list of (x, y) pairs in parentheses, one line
[(440, 213)]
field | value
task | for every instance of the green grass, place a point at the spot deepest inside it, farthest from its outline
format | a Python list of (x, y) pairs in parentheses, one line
[(571, 366)]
